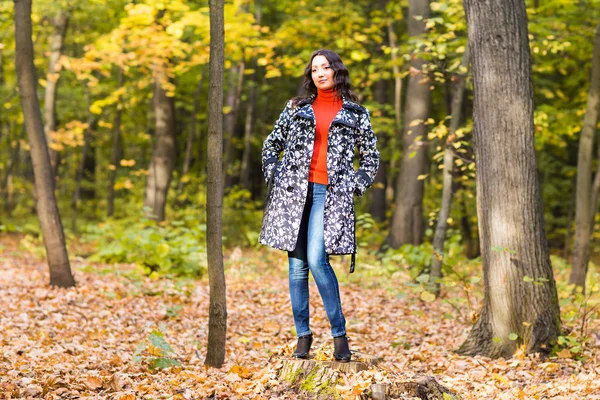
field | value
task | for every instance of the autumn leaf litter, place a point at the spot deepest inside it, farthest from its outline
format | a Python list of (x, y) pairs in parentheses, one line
[(79, 343)]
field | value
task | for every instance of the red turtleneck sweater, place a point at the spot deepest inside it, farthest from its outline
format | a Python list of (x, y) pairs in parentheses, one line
[(326, 106)]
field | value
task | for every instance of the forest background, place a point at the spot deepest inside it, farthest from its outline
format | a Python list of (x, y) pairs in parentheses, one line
[(124, 87)]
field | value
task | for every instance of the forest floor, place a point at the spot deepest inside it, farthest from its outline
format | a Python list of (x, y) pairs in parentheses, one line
[(80, 342)]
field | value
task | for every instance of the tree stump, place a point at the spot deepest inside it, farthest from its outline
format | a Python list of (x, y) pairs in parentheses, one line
[(317, 380)]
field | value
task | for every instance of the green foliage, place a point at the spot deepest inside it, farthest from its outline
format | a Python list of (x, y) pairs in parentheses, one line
[(155, 352), (242, 218), (174, 248)]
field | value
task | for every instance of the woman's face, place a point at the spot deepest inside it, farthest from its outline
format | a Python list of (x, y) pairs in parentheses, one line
[(322, 73)]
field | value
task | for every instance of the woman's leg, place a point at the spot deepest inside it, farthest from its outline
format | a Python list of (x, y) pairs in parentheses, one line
[(298, 274), (318, 262)]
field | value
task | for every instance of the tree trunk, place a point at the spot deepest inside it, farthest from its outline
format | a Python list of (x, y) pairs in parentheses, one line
[(407, 221), (570, 216), (60, 22), (192, 136), (233, 102), (245, 168), (81, 167), (7, 182), (397, 112), (471, 245), (442, 224), (377, 201), (520, 299), (47, 210), (584, 206), (163, 154), (115, 152), (217, 319)]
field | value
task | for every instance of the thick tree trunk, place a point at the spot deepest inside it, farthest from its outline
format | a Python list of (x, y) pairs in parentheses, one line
[(520, 303), (407, 221), (115, 152), (47, 210), (192, 136), (442, 224), (163, 153), (584, 206), (217, 319), (60, 22)]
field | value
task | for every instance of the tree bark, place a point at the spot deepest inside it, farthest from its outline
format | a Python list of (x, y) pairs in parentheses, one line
[(47, 210), (217, 319), (520, 299), (163, 153), (407, 221), (192, 136), (115, 152), (584, 197), (442, 224), (60, 23)]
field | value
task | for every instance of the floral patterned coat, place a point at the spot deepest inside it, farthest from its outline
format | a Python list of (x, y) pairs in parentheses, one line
[(294, 134)]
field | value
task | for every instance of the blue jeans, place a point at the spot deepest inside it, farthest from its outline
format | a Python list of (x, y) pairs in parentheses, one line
[(310, 254)]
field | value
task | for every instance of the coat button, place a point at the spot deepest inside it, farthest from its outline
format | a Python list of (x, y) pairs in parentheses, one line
[(298, 147), (294, 168), (290, 188)]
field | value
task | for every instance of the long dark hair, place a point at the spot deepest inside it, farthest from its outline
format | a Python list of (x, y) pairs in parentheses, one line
[(341, 78)]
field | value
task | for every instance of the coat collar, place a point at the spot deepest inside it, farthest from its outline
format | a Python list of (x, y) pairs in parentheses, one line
[(346, 116)]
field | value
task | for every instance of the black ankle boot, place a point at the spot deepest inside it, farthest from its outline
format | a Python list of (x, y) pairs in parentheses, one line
[(303, 346), (341, 349)]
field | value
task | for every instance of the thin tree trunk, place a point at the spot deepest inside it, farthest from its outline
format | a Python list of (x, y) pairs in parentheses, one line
[(245, 168), (397, 111), (234, 94), (520, 299), (584, 205), (217, 319), (247, 152), (596, 186), (163, 154), (7, 183), (192, 136), (81, 167), (47, 210), (471, 245), (407, 221), (115, 153), (60, 23), (377, 203), (439, 237), (570, 216)]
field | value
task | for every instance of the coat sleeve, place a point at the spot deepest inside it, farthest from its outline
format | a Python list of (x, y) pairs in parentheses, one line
[(368, 153), (275, 142)]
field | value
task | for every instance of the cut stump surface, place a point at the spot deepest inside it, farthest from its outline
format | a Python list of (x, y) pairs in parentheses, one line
[(318, 379)]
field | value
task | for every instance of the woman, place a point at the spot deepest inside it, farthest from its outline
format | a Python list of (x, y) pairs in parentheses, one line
[(309, 210)]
